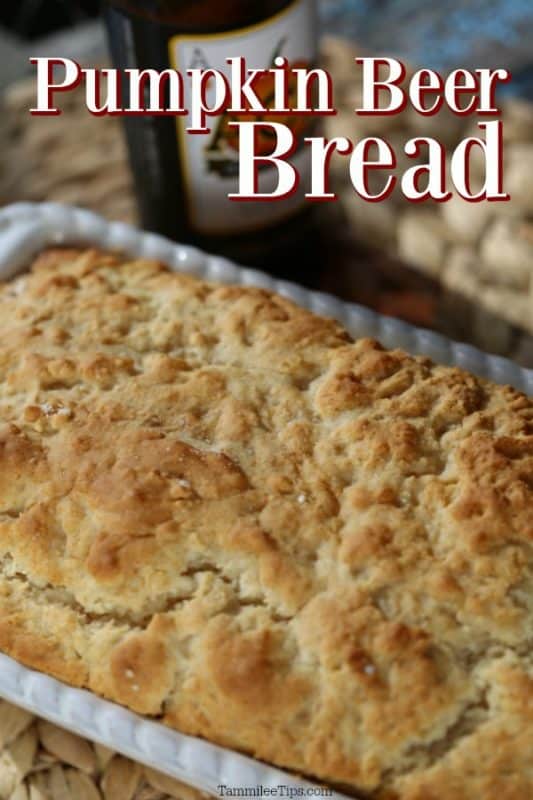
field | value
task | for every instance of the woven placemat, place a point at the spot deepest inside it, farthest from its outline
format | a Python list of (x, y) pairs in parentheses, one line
[(73, 158), (39, 761), (483, 251)]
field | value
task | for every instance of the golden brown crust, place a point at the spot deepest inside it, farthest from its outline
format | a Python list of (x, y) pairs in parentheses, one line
[(219, 511)]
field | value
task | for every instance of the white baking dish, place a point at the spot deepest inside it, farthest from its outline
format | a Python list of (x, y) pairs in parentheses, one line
[(24, 230)]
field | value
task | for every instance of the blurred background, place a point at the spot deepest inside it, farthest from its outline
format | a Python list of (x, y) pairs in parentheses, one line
[(441, 35), (465, 270)]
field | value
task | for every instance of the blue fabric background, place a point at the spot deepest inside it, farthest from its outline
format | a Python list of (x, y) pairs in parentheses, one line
[(443, 33)]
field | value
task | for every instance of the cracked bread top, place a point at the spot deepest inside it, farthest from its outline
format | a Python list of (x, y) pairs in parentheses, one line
[(218, 510)]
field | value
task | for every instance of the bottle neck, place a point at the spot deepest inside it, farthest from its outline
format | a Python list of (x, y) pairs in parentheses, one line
[(202, 14)]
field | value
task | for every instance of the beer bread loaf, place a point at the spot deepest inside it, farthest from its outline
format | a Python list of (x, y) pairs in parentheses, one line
[(219, 511)]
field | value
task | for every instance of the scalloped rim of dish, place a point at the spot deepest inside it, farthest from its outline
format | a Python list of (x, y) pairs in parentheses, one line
[(27, 228)]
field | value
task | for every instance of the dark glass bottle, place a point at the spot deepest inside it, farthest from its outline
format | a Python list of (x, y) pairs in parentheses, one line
[(182, 180)]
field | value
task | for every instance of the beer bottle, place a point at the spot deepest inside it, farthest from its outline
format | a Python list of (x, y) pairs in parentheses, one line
[(183, 180)]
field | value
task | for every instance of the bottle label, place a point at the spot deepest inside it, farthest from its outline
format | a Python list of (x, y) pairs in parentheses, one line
[(210, 161)]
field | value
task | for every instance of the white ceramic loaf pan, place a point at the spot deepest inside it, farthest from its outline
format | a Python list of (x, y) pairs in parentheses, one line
[(24, 230)]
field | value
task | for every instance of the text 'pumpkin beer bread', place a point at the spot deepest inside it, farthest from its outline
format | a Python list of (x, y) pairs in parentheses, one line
[(219, 511)]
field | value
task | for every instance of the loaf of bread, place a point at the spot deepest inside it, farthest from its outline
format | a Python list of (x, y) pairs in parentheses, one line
[(218, 510)]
